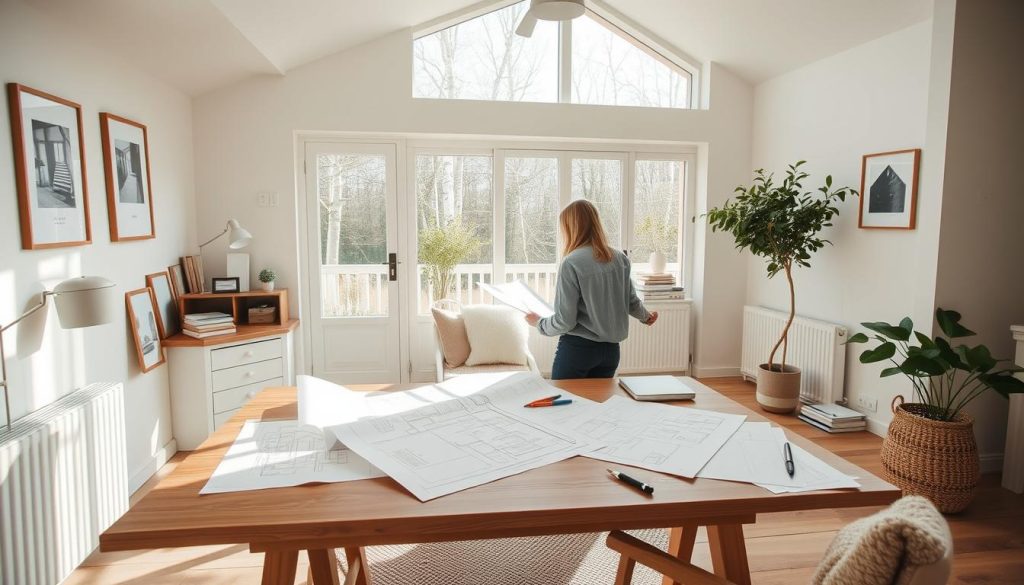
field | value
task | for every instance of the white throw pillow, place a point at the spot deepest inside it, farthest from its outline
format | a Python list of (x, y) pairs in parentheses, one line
[(497, 335)]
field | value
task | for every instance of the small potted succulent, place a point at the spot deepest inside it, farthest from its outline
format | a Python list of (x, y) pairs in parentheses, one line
[(267, 278), (929, 449)]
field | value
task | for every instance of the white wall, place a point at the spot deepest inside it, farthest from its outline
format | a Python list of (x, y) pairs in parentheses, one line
[(979, 258), (872, 98), (44, 361), (245, 141)]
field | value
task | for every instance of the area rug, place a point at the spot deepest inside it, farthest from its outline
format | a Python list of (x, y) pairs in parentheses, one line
[(567, 559)]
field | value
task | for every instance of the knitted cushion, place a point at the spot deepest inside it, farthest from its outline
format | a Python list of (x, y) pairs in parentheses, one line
[(497, 335), (451, 330), (887, 548)]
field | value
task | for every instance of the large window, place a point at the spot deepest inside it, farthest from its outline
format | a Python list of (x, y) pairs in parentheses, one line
[(482, 58), (657, 212), (599, 181)]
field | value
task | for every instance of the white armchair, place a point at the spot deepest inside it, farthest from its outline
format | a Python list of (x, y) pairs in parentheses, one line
[(450, 312)]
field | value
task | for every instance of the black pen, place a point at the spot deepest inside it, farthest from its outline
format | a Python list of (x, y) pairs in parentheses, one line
[(633, 482), (788, 453)]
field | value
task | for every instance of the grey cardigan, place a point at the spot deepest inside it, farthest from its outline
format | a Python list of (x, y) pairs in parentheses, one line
[(594, 300)]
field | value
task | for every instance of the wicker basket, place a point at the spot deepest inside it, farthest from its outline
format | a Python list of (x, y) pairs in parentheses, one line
[(930, 458)]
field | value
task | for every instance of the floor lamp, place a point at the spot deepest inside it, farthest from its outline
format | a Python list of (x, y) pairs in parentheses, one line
[(81, 302)]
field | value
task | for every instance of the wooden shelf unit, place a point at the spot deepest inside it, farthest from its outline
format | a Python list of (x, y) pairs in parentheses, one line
[(236, 304)]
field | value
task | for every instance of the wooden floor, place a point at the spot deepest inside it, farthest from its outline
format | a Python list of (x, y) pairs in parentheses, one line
[(783, 548)]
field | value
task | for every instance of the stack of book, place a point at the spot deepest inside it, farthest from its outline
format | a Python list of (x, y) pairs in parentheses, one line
[(201, 325), (833, 418), (657, 287), (195, 279)]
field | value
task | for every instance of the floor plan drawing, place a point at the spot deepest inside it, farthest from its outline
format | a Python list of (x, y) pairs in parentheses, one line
[(658, 436), (271, 454)]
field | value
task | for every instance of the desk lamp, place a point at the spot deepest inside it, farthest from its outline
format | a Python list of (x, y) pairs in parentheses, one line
[(81, 302)]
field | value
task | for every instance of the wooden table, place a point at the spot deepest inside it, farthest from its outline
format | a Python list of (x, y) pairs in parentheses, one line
[(571, 496)]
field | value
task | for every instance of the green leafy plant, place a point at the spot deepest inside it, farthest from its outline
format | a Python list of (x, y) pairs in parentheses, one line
[(945, 378), (780, 223), (656, 234), (267, 275), (442, 249)]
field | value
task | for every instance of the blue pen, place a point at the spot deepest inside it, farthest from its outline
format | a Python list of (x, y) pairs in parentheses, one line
[(552, 403)]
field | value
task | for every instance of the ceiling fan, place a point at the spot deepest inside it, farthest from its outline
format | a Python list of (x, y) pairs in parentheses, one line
[(555, 10)]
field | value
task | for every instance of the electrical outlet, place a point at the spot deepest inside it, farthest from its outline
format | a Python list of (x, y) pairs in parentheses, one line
[(867, 404)]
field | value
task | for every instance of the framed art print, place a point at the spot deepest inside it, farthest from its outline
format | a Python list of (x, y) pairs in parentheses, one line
[(177, 280), (888, 190), (49, 161), (226, 285), (129, 190), (142, 311), (167, 322)]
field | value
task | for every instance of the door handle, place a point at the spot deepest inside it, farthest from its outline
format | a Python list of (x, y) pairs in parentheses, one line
[(392, 267)]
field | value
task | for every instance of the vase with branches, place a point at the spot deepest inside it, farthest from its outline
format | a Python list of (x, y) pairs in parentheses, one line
[(658, 235), (443, 248), (780, 222)]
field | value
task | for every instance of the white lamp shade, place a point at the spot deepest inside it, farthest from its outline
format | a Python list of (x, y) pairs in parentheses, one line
[(557, 9), (238, 236), (85, 301)]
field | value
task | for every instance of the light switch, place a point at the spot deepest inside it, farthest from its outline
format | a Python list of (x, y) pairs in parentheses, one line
[(263, 198)]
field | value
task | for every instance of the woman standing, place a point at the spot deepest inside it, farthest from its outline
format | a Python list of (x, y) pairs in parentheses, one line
[(593, 300)]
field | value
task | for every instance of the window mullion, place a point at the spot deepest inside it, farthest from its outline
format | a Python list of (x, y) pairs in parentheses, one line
[(565, 61), (498, 216)]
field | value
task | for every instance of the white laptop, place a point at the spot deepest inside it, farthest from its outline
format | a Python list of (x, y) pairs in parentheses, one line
[(655, 388)]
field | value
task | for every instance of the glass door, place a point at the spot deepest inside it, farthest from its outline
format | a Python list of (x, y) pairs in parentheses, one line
[(352, 242)]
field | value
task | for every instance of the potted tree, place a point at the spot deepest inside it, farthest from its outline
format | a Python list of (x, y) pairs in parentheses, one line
[(656, 234), (780, 223), (929, 449), (441, 250)]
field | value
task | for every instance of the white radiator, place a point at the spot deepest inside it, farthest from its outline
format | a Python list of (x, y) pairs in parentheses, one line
[(664, 347), (63, 481), (814, 346)]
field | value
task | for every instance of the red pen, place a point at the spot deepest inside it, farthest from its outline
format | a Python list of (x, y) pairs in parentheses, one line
[(549, 403), (540, 400)]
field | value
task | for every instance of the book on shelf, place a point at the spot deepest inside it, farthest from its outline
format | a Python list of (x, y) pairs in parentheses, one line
[(832, 429), (205, 319), (205, 334), (192, 267), (210, 327), (655, 287), (669, 297)]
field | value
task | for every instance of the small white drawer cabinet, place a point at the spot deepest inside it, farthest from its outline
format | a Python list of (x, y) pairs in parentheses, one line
[(210, 383)]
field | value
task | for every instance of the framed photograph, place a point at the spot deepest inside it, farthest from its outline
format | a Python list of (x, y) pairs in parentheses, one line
[(49, 169), (167, 322), (888, 190), (226, 285), (129, 190), (142, 314), (177, 277)]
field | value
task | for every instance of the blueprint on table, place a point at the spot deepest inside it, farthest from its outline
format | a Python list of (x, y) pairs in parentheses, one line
[(466, 441), (659, 437), (283, 453)]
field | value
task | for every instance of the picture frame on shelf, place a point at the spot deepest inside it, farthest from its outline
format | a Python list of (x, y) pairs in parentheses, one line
[(888, 190), (49, 169), (226, 285), (142, 315), (177, 277), (129, 187), (167, 320)]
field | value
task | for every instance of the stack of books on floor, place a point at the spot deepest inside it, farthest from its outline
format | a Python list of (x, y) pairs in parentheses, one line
[(657, 287), (202, 325), (833, 418)]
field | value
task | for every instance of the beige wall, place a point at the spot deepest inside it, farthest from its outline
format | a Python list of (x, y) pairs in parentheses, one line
[(245, 140), (46, 362)]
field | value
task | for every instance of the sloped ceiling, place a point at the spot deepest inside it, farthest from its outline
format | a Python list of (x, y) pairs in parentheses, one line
[(200, 45)]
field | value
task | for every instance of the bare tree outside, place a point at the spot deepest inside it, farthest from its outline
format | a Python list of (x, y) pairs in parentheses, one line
[(599, 181), (656, 198), (531, 210)]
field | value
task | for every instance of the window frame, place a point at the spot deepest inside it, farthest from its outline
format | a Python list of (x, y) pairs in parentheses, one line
[(606, 16)]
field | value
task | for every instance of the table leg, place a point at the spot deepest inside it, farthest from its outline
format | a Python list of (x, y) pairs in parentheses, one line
[(357, 552), (680, 545), (729, 552), (279, 567), (323, 566)]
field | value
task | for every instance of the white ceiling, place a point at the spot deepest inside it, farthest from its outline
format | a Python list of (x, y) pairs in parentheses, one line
[(200, 45)]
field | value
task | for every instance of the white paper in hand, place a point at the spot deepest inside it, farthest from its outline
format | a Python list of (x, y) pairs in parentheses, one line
[(518, 296)]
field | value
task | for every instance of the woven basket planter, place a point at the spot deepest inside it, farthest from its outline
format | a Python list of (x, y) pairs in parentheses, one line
[(930, 458)]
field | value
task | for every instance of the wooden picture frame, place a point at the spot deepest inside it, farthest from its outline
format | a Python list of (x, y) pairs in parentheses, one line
[(888, 190), (230, 284), (142, 315), (128, 177), (167, 320), (53, 195), (177, 277)]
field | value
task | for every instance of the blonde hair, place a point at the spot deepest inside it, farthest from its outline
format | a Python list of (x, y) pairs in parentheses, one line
[(581, 226)]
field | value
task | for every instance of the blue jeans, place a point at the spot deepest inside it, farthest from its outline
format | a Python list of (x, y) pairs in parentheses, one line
[(577, 357)]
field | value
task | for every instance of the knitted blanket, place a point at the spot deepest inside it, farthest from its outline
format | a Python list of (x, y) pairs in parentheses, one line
[(886, 548)]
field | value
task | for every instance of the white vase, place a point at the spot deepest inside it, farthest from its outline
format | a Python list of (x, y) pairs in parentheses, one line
[(657, 262), (267, 286)]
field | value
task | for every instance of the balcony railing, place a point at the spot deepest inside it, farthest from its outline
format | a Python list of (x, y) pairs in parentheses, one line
[(361, 290)]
